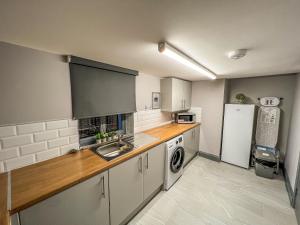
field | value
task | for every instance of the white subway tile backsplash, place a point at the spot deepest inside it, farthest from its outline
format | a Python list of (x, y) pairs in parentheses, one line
[(73, 139), (198, 112), (57, 124), (8, 153), (2, 169), (47, 135), (32, 148), (144, 120), (16, 141), (7, 131), (30, 128), (73, 123), (58, 142), (65, 149), (49, 154), (25, 144), (19, 162), (68, 131)]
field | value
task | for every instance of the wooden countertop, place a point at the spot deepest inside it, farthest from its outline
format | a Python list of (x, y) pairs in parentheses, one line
[(4, 214), (34, 183)]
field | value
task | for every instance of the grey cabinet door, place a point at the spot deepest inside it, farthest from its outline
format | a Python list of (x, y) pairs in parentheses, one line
[(14, 220), (177, 95), (154, 161), (86, 203), (189, 145), (187, 93), (197, 139), (126, 189)]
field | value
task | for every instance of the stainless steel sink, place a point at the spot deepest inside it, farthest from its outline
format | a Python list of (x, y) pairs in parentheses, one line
[(113, 149)]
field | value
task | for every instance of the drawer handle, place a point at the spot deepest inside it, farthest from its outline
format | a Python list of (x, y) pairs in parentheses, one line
[(102, 187), (140, 164), (147, 165)]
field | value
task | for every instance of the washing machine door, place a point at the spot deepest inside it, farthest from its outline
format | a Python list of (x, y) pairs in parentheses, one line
[(177, 159)]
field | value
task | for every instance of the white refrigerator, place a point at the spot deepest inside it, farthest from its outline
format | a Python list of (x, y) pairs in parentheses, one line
[(237, 134)]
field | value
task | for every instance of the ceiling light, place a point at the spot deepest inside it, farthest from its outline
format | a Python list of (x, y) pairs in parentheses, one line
[(237, 54), (173, 53)]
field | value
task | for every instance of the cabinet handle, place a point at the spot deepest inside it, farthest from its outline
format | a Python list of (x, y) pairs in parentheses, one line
[(102, 187), (184, 103), (140, 164), (147, 165)]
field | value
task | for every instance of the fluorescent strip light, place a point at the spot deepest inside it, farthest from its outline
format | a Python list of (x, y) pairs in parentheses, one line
[(173, 53)]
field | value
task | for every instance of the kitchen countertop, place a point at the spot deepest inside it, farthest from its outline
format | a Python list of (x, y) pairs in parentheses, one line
[(37, 182), (4, 214)]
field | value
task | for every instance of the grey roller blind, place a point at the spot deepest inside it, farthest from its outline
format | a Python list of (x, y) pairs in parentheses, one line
[(101, 92)]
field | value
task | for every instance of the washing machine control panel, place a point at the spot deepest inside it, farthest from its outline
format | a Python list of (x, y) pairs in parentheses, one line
[(178, 141)]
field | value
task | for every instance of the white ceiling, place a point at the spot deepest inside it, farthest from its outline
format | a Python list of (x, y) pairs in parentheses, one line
[(126, 32)]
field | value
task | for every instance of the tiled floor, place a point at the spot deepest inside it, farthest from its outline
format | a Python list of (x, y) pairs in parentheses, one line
[(212, 193)]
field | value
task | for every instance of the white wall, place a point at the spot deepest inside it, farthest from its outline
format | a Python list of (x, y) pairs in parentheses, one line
[(293, 146), (146, 117), (209, 96), (145, 85), (25, 144)]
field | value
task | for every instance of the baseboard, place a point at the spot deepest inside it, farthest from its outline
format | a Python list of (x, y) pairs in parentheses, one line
[(288, 186), (210, 156)]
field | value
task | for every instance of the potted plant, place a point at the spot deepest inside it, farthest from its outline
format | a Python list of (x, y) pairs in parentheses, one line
[(98, 138), (109, 136), (114, 135), (103, 137), (241, 98)]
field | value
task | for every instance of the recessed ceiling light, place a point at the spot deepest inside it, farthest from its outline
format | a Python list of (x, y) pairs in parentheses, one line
[(237, 54), (179, 56)]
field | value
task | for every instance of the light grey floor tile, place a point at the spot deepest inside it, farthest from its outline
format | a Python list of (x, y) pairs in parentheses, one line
[(216, 193)]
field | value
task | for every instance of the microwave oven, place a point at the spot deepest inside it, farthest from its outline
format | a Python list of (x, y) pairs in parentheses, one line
[(187, 117)]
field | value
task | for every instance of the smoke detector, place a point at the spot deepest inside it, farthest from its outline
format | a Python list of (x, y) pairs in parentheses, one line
[(237, 54)]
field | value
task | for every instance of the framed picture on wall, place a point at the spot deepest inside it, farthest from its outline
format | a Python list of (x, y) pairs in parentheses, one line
[(155, 100)]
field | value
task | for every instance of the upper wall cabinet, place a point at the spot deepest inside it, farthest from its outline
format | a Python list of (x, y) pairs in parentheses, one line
[(175, 94)]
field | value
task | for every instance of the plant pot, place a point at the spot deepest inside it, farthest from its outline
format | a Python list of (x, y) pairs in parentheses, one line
[(115, 137), (109, 138), (99, 141), (239, 101), (103, 140)]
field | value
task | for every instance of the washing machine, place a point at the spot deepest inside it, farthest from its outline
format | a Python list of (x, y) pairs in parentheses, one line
[(174, 161)]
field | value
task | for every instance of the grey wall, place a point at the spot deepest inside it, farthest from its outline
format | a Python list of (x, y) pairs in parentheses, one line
[(210, 95), (293, 146), (279, 86), (34, 85)]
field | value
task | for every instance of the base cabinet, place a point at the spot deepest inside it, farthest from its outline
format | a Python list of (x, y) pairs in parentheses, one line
[(134, 181), (191, 143), (126, 189), (85, 203), (109, 198), (154, 162), (14, 220)]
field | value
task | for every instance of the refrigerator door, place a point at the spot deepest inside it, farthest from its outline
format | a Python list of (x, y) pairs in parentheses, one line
[(237, 134)]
